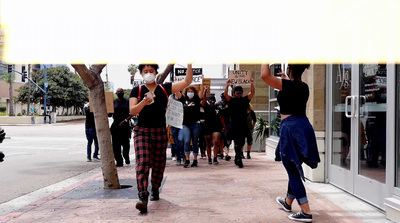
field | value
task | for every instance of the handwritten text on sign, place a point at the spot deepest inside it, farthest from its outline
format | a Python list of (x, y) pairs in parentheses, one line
[(180, 74), (239, 77), (174, 114)]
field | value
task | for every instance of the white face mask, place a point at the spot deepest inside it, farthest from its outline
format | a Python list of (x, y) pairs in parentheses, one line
[(190, 94), (149, 78)]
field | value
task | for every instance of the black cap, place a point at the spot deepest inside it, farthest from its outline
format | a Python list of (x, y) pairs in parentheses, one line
[(238, 90)]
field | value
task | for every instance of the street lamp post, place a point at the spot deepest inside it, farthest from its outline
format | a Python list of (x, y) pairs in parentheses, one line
[(45, 94)]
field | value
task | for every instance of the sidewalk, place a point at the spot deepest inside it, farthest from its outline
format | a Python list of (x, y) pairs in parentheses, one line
[(208, 193)]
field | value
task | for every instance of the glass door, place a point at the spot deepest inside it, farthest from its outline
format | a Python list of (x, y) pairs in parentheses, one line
[(341, 153), (371, 136), (358, 136)]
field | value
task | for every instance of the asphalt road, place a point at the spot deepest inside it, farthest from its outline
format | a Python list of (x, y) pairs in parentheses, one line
[(41, 155)]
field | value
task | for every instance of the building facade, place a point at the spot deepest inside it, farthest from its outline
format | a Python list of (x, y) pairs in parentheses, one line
[(354, 109)]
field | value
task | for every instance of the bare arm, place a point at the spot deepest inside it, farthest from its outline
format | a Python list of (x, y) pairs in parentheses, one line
[(270, 79), (202, 92), (135, 107), (179, 86), (203, 101), (161, 77), (252, 91), (227, 97), (223, 123)]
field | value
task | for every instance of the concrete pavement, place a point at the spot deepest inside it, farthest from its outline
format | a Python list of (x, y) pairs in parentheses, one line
[(208, 193)]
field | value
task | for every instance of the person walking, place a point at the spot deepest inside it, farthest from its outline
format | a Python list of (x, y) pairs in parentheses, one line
[(238, 106), (120, 129), (297, 143), (225, 139), (251, 121), (178, 144), (150, 101), (191, 122), (90, 130), (213, 127)]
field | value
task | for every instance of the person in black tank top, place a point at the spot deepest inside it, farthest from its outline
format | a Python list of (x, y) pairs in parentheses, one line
[(297, 143)]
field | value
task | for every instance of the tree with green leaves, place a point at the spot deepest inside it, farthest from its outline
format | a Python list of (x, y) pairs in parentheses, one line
[(65, 88), (132, 69)]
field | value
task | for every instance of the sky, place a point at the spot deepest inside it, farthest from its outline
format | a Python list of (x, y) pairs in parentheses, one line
[(120, 77), (203, 32)]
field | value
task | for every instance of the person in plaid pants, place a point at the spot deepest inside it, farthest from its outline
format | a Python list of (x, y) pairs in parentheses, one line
[(150, 101)]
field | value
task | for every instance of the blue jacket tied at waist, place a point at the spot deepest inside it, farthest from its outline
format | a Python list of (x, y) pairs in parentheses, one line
[(298, 142)]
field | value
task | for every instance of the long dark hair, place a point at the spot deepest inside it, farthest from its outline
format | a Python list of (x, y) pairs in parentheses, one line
[(298, 70)]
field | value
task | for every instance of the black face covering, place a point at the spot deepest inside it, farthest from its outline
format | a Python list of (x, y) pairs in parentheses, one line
[(120, 95)]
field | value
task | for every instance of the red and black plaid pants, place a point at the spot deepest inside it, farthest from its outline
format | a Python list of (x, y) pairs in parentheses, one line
[(150, 150)]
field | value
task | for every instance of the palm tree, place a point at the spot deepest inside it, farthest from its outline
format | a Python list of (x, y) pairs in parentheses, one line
[(132, 69)]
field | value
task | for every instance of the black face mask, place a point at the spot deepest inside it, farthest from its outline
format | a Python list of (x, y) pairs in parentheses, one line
[(120, 95)]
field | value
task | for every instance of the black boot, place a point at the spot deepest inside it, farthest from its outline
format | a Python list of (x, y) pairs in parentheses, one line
[(187, 163), (155, 194), (194, 164), (239, 162), (141, 205)]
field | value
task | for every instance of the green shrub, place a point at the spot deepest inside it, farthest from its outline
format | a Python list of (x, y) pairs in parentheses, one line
[(19, 114), (3, 108), (3, 114)]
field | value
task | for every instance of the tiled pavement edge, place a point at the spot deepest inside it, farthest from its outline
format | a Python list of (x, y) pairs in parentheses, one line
[(208, 193)]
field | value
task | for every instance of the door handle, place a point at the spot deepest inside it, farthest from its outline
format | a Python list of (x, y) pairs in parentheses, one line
[(346, 107), (363, 99)]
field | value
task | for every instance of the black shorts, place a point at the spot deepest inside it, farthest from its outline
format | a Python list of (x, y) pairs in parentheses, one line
[(209, 130), (249, 137)]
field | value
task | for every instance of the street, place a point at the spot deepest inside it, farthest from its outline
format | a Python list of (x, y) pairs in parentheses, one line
[(41, 155)]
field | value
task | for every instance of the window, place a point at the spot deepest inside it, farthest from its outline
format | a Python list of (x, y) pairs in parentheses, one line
[(275, 116)]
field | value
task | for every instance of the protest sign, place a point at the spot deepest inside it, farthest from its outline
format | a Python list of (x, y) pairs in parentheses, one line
[(180, 74), (174, 113), (109, 96), (207, 82), (137, 82), (239, 77)]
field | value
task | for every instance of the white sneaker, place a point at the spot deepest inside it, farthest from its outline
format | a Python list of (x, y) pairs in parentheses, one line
[(96, 159), (173, 158)]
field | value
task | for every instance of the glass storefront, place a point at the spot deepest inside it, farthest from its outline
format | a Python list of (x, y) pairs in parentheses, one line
[(358, 129), (373, 108), (341, 124)]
